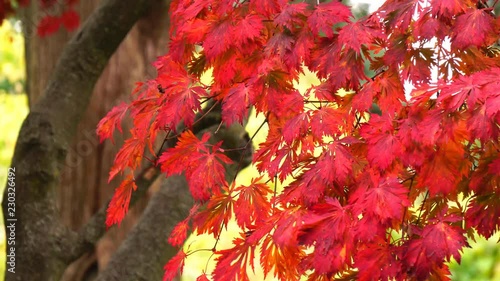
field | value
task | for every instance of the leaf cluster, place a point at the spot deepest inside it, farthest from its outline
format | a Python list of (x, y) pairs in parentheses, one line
[(385, 194)]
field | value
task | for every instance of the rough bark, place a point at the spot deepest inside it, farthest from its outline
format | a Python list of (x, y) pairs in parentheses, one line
[(145, 251), (42, 241), (83, 187)]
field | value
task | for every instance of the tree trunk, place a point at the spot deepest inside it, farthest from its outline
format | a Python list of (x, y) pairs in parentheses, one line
[(50, 189), (83, 188)]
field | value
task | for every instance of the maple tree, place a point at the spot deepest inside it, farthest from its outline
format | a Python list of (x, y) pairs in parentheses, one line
[(385, 195)]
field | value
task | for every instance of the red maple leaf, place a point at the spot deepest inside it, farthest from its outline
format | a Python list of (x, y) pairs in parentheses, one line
[(417, 69), (179, 233), (327, 221), (217, 214), (383, 146), (326, 15), (386, 201), (202, 165), (279, 156), (363, 99), (188, 9), (282, 260), (328, 257), (236, 104), (466, 32), (181, 103), (328, 121), (279, 45), (301, 52), (349, 72), (130, 155), (438, 242), (194, 30), (232, 263), (287, 227), (118, 207), (253, 204), (296, 127), (369, 229), (494, 167), (209, 174), (335, 164), (444, 170), (378, 261), (483, 214), (175, 160), (308, 188), (174, 266), (227, 70), (180, 49), (112, 120), (492, 105), (218, 37), (428, 26), (290, 15), (449, 8), (355, 34), (409, 132), (246, 30), (266, 8), (481, 126), (390, 91)]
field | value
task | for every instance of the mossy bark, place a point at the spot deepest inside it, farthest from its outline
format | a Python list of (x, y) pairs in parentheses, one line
[(43, 244)]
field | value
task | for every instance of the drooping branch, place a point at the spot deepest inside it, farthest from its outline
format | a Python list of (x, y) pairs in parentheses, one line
[(171, 204), (95, 228)]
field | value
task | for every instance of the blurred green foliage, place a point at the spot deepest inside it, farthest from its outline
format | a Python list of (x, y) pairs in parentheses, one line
[(12, 74), (13, 105), (14, 109), (481, 262)]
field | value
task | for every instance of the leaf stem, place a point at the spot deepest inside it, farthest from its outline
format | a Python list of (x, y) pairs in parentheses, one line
[(422, 206), (274, 195), (406, 209)]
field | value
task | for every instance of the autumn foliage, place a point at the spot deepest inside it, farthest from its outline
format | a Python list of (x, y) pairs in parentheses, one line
[(388, 194)]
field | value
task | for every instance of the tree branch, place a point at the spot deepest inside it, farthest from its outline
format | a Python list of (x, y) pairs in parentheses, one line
[(170, 205), (95, 227)]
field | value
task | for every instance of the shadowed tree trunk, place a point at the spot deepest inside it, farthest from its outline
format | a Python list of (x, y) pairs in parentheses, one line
[(83, 188)]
